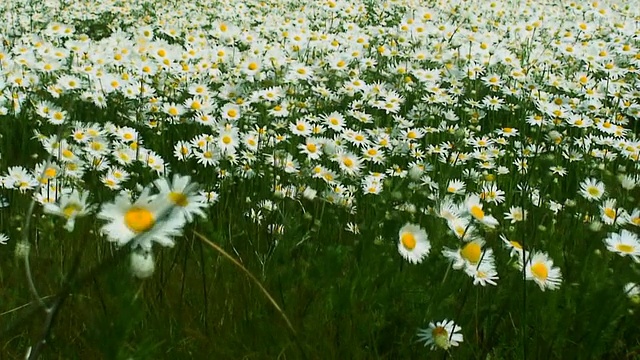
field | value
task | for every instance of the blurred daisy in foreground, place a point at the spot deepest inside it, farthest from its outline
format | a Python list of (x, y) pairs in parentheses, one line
[(624, 243), (539, 268), (144, 221), (443, 335), (3, 239), (632, 290), (70, 206), (413, 243), (181, 192)]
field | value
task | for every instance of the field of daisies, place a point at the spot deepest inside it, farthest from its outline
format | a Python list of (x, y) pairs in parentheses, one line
[(395, 179)]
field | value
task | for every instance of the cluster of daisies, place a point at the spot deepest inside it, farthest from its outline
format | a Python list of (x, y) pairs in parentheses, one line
[(157, 215), (476, 121)]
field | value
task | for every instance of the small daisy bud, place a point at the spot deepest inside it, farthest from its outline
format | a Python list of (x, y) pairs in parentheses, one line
[(22, 249), (595, 226), (142, 264)]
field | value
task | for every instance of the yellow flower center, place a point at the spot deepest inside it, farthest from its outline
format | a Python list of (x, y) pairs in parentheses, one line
[(610, 213), (232, 113), (226, 139), (178, 198), (71, 209), (471, 252), (627, 249), (440, 337), (516, 245), (139, 219), (540, 271), (50, 172), (408, 240), (476, 212), (347, 162), (312, 147), (593, 191)]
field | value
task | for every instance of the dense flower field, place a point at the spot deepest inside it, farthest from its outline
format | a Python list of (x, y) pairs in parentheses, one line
[(486, 152)]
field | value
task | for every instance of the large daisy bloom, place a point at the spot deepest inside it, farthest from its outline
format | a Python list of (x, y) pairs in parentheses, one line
[(539, 268), (443, 335), (143, 222), (413, 243), (624, 243)]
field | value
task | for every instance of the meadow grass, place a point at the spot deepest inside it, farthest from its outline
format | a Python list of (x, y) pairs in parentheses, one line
[(328, 180)]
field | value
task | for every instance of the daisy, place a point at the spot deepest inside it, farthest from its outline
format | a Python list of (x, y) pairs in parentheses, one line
[(592, 189), (461, 227), (456, 186), (624, 243), (3, 239), (448, 209), (413, 243), (514, 247), (634, 217), (539, 268), (632, 290), (483, 274), (471, 255), (301, 127), (312, 148), (335, 121), (141, 222), (349, 163), (373, 154), (474, 208), (610, 214), (181, 193), (515, 214), (70, 206), (443, 335)]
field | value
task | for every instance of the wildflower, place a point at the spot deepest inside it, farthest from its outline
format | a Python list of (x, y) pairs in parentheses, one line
[(471, 255), (632, 290), (181, 193), (413, 243), (624, 243), (515, 214), (3, 239), (483, 274), (591, 189), (456, 186), (539, 268), (610, 214), (141, 222), (70, 206), (515, 248), (474, 208), (443, 335)]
